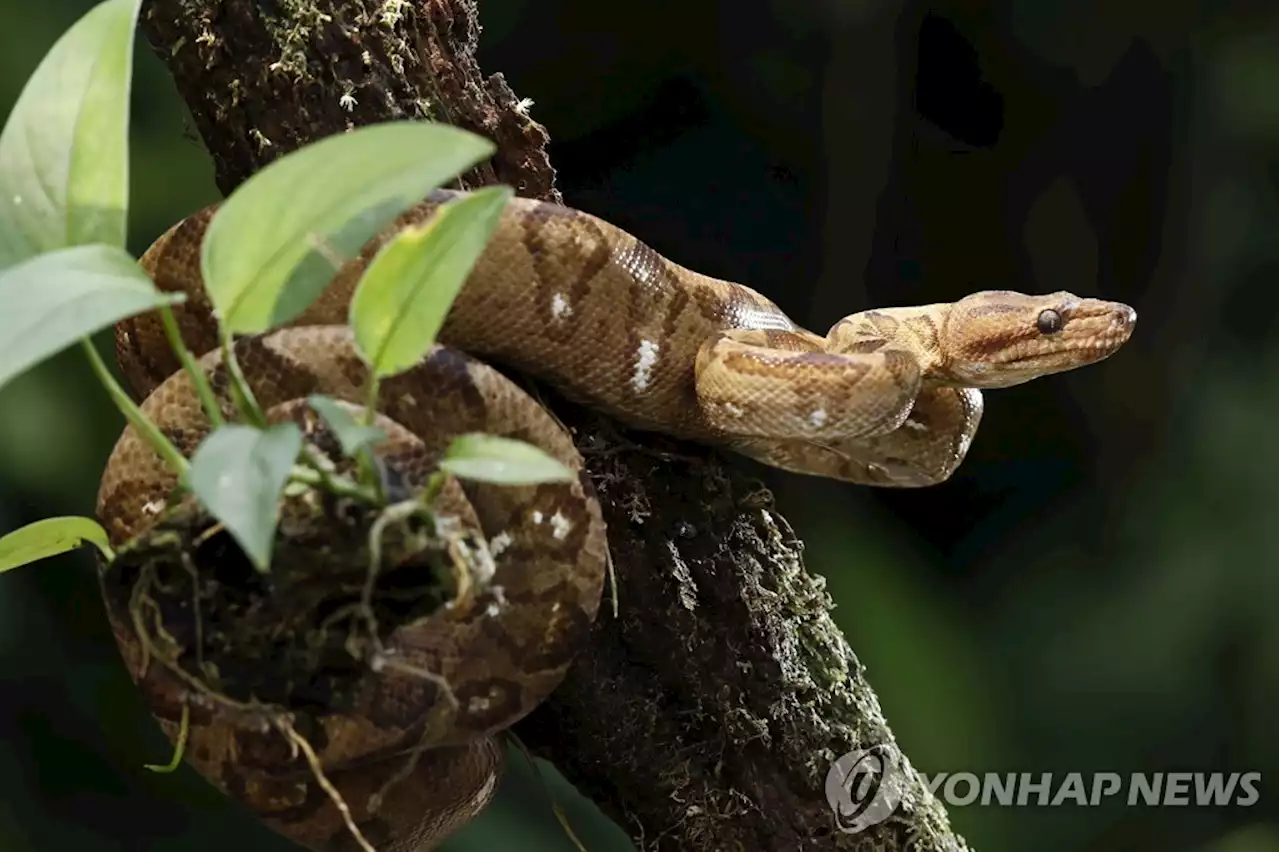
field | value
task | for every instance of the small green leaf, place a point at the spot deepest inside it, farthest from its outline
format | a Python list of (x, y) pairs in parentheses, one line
[(270, 249), (49, 538), (52, 300), (488, 458), (351, 434), (405, 294), (238, 473), (64, 151)]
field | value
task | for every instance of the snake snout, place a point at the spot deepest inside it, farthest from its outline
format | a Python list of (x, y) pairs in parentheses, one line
[(1120, 320), (1124, 318)]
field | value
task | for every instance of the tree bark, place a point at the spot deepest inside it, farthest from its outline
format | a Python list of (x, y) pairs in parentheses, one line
[(707, 713)]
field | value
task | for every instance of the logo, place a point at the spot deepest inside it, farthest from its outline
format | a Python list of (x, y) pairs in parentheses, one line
[(864, 788)]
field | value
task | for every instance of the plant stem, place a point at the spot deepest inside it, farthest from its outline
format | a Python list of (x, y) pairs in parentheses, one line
[(339, 485), (366, 470), (153, 436), (335, 483), (371, 398), (432, 489), (240, 390), (198, 378)]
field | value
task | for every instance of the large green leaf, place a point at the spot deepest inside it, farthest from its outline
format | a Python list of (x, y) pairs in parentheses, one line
[(271, 248), (489, 458), (52, 300), (238, 473), (49, 538), (64, 152), (406, 292)]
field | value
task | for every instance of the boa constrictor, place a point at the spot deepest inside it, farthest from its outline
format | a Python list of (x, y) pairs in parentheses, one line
[(889, 397)]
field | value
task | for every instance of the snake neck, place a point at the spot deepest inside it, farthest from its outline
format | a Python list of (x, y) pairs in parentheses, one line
[(917, 331)]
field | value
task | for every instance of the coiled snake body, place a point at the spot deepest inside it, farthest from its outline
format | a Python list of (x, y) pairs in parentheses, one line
[(888, 397)]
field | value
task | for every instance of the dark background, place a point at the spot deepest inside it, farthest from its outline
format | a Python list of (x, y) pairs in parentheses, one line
[(1092, 592)]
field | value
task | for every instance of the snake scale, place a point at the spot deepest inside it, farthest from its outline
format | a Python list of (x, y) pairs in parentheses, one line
[(888, 397)]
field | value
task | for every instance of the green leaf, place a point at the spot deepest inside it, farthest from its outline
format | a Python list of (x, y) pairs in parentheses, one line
[(271, 247), (49, 538), (52, 300), (64, 151), (488, 458), (351, 434), (405, 294), (238, 473)]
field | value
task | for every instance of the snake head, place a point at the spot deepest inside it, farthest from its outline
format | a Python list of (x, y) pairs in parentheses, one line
[(999, 338)]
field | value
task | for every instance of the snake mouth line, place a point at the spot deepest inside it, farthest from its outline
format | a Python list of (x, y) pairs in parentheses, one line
[(1092, 351)]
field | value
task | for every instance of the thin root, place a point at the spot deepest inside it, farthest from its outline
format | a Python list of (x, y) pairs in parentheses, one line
[(613, 580), (396, 513), (411, 762), (385, 659), (299, 743), (546, 788), (179, 747)]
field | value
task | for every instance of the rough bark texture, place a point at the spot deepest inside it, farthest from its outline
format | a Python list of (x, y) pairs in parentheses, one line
[(706, 715)]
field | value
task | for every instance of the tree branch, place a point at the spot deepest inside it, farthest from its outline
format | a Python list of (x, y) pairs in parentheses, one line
[(707, 714)]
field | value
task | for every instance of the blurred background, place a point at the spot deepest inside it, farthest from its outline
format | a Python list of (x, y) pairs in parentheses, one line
[(1091, 593)]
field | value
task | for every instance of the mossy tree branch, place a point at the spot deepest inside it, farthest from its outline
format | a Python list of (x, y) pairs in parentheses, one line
[(705, 716)]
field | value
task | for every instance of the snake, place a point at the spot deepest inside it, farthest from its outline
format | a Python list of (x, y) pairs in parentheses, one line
[(888, 397)]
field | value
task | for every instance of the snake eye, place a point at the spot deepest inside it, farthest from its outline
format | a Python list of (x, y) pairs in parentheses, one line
[(1049, 321)]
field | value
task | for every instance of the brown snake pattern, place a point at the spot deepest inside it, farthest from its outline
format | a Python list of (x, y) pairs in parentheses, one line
[(888, 397)]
